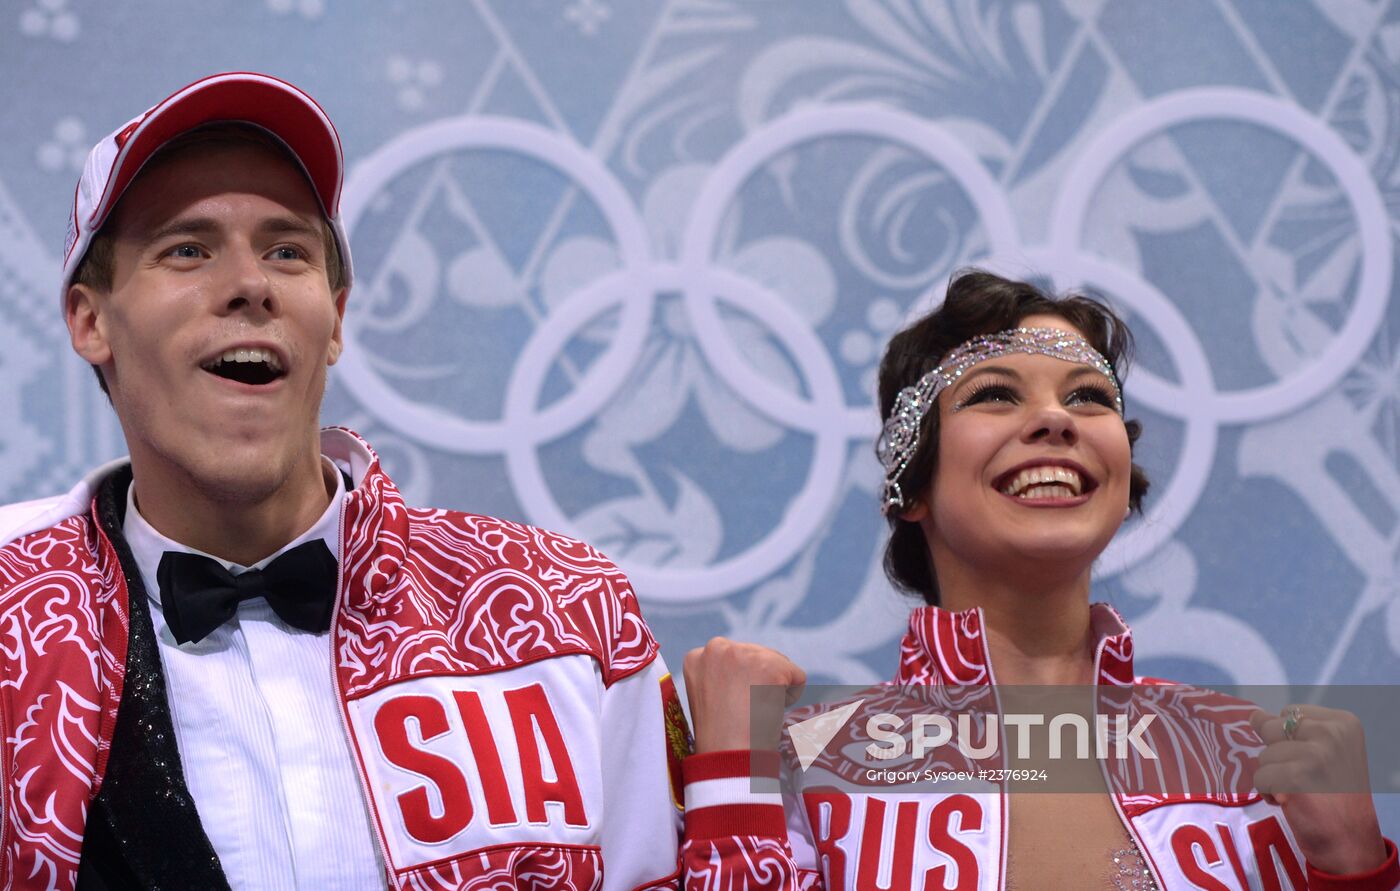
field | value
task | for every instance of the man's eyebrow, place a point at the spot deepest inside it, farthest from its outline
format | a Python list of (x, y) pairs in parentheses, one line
[(282, 225), (289, 225), (181, 226)]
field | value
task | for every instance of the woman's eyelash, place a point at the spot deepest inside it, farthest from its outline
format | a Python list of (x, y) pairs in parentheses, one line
[(1099, 395), (989, 390), (983, 391)]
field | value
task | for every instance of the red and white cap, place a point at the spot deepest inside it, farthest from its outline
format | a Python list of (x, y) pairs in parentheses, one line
[(276, 106)]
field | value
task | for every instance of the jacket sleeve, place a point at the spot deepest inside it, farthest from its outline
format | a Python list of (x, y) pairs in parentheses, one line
[(641, 780), (737, 827), (733, 837), (1385, 877)]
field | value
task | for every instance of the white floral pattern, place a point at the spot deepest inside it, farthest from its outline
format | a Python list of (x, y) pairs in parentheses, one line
[(52, 19), (67, 150), (588, 15), (413, 80)]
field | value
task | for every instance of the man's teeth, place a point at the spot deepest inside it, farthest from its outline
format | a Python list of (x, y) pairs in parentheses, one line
[(1044, 482), (255, 354)]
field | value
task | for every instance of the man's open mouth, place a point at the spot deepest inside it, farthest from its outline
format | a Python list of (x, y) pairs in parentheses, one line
[(255, 365)]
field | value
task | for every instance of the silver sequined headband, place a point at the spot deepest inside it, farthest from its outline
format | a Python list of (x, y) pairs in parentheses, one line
[(900, 437)]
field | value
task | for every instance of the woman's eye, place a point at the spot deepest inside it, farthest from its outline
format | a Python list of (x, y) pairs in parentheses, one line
[(1093, 395), (989, 393)]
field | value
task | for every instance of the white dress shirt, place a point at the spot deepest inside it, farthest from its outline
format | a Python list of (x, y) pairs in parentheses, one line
[(259, 731)]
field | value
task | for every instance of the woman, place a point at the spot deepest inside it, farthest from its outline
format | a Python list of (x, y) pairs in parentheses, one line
[(1009, 468)]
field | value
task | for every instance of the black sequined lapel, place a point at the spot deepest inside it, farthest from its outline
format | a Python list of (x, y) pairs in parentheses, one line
[(142, 830)]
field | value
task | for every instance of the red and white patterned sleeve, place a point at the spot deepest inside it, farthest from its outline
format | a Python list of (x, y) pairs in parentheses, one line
[(736, 830), (733, 837)]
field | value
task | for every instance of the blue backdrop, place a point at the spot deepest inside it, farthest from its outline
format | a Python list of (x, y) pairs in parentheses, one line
[(625, 269)]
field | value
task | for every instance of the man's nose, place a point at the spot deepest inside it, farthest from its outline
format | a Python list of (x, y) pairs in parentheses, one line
[(247, 285)]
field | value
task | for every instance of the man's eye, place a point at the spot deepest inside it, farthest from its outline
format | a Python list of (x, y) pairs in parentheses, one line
[(186, 252), (287, 252)]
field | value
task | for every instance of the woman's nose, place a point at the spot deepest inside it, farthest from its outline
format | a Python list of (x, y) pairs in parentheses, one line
[(1051, 424)]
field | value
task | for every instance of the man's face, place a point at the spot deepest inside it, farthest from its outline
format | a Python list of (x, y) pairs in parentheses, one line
[(220, 324)]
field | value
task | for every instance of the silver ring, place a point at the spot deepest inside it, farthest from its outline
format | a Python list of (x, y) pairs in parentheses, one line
[(1292, 717)]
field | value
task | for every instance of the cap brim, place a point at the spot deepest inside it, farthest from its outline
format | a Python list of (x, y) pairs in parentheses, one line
[(269, 103)]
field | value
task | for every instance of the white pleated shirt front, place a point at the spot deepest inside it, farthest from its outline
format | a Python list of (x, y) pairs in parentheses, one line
[(259, 730)]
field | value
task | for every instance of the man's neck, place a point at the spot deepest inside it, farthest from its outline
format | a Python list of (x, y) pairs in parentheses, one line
[(241, 532)]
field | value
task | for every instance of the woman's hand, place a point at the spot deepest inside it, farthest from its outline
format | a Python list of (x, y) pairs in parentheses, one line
[(718, 678), (1316, 771)]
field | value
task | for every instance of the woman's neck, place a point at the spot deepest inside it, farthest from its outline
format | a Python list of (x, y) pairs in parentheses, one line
[(1038, 631)]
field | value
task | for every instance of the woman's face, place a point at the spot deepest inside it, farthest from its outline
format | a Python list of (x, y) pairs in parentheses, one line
[(1033, 465)]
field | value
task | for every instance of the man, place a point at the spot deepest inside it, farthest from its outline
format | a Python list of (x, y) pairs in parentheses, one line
[(239, 659)]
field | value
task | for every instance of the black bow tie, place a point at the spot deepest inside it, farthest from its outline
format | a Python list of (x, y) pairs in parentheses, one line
[(198, 595)]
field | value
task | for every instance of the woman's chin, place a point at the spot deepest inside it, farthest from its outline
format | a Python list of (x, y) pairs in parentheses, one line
[(1059, 552)]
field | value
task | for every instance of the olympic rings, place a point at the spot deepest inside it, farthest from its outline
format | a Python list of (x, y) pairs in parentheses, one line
[(819, 408)]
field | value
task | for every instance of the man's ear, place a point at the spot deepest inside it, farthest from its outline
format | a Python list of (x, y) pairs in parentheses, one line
[(337, 345), (87, 329)]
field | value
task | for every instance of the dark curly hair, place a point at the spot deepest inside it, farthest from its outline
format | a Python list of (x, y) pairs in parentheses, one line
[(980, 302)]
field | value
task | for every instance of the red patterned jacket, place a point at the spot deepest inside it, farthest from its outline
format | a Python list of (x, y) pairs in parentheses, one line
[(1224, 837), (513, 723)]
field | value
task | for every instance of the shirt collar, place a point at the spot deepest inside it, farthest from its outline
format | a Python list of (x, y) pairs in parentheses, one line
[(147, 545)]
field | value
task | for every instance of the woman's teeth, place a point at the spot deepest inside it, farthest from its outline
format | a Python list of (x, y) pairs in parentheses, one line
[(1056, 490), (1044, 482)]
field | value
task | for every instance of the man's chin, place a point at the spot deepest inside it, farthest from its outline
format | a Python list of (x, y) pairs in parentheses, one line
[(233, 483), (240, 470)]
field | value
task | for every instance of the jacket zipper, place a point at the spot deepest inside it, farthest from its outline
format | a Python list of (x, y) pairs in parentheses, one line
[(1103, 771), (1132, 833), (1113, 796), (1005, 795), (344, 708)]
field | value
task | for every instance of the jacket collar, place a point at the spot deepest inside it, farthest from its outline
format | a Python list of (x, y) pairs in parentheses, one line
[(374, 524), (20, 519), (943, 647), (351, 453)]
